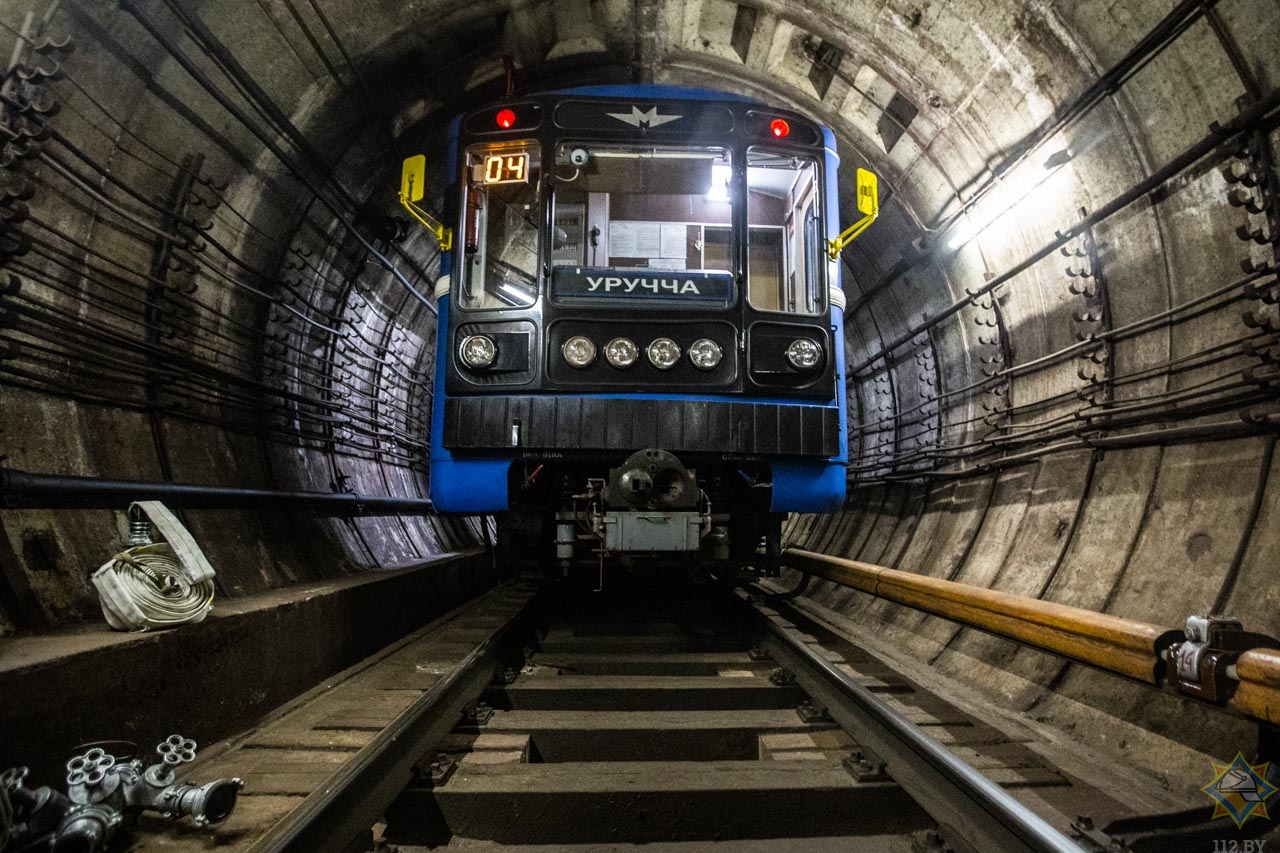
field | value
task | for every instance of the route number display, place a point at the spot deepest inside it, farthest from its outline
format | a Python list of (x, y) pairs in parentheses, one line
[(507, 168)]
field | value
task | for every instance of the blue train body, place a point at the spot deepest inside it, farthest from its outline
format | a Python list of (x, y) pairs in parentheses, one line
[(640, 328)]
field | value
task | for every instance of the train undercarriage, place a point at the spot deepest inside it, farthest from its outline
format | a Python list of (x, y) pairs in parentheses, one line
[(709, 517)]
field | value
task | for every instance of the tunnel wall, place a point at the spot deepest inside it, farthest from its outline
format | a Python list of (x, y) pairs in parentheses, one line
[(1154, 534), (193, 308), (222, 676), (1005, 413), (1164, 525)]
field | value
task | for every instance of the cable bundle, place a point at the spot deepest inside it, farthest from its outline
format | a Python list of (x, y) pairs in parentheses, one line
[(156, 586)]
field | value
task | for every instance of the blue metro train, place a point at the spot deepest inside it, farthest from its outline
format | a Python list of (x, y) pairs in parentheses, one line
[(640, 323)]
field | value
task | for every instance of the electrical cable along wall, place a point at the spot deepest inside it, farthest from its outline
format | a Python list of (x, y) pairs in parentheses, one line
[(198, 311), (202, 293), (980, 423), (1065, 387)]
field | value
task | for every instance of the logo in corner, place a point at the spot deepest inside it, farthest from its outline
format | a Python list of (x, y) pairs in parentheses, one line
[(1240, 790), (650, 118)]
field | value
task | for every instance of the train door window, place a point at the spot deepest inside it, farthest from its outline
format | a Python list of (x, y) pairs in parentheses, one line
[(500, 226), (717, 248), (784, 233), (765, 259), (650, 207)]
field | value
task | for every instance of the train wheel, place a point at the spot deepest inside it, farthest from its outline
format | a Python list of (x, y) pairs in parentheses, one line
[(773, 545), (524, 543)]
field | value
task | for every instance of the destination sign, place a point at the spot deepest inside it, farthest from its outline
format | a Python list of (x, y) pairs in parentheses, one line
[(683, 285)]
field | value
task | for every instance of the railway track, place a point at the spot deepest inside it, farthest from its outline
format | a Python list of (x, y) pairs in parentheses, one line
[(636, 717)]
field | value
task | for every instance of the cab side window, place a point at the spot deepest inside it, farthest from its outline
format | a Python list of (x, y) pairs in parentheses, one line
[(784, 223)]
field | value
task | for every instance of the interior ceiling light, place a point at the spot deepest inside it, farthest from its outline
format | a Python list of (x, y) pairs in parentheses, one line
[(720, 175)]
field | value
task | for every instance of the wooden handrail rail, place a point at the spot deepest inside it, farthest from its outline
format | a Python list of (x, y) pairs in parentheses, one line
[(1258, 694), (1125, 647)]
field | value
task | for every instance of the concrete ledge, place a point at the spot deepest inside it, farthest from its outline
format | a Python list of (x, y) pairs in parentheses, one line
[(209, 680)]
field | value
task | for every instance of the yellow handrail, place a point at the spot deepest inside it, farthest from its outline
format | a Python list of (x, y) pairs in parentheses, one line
[(412, 181), (1127, 647), (868, 206)]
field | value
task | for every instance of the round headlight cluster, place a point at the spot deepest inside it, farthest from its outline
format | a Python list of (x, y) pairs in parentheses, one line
[(664, 353), (705, 354), (478, 351), (621, 353), (579, 351), (804, 354)]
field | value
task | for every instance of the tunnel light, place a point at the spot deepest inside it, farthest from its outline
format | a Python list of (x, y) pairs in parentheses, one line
[(1043, 187), (779, 128), (664, 353), (719, 183), (579, 351), (505, 118), (621, 353), (705, 354), (804, 354), (962, 233), (478, 351)]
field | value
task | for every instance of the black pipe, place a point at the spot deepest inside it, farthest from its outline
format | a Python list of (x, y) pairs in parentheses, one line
[(22, 489), (268, 142), (1214, 431)]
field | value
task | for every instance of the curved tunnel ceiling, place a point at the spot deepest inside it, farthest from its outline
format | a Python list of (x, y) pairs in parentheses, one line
[(1062, 354)]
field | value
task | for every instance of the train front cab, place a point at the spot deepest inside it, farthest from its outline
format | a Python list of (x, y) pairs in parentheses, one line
[(641, 327)]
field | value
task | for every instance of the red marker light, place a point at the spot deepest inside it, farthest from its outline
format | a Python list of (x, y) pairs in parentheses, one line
[(505, 118), (779, 128)]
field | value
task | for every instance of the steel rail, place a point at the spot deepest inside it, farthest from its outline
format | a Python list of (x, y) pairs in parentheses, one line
[(1118, 646), (954, 794), (356, 796), (22, 489)]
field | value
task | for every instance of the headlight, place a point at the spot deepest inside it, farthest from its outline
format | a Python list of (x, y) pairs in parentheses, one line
[(804, 354), (578, 351), (705, 354), (478, 351), (664, 353), (621, 353)]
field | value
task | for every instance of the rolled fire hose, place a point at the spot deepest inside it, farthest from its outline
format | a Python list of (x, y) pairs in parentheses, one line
[(158, 585)]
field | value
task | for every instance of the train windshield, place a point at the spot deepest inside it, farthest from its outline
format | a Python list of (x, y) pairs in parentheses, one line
[(641, 215), (501, 226), (785, 260)]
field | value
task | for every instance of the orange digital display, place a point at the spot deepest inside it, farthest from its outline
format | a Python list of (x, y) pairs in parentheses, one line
[(507, 168)]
